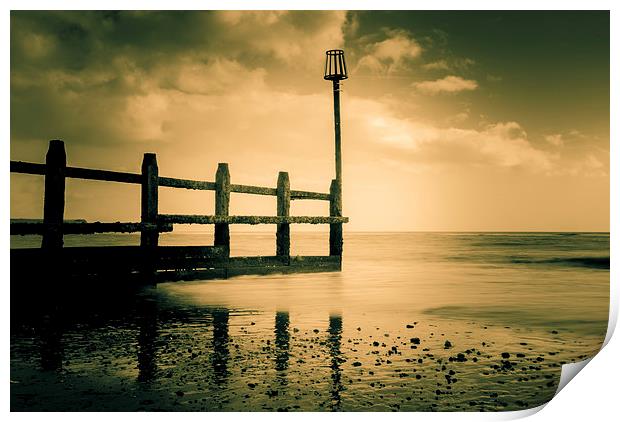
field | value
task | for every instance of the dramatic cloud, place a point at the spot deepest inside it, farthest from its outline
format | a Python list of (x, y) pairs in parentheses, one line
[(246, 88), (109, 71), (447, 84)]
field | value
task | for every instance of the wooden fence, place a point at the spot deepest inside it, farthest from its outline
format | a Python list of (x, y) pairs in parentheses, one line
[(150, 262)]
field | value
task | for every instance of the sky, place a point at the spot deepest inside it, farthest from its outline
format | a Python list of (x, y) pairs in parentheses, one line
[(451, 121)]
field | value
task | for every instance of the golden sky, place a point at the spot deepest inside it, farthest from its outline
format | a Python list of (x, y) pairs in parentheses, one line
[(454, 121)]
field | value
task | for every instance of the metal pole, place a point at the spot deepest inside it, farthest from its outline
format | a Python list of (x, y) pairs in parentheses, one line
[(337, 130)]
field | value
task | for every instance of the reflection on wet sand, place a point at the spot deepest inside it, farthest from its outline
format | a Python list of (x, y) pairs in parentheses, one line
[(334, 343), (50, 341), (148, 335), (147, 338), (220, 345), (282, 344), (205, 358)]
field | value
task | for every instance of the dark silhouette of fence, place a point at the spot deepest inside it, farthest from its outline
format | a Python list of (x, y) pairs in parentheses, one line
[(150, 262)]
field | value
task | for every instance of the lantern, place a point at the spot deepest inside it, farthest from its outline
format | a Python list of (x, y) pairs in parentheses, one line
[(335, 66)]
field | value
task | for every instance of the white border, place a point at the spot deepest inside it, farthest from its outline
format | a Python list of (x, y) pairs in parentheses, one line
[(592, 395)]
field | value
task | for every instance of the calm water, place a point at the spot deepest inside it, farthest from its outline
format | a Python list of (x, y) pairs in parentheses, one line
[(415, 321)]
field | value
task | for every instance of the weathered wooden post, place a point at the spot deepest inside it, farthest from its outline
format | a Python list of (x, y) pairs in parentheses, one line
[(283, 234), (337, 134), (222, 201), (149, 235), (335, 210), (54, 196)]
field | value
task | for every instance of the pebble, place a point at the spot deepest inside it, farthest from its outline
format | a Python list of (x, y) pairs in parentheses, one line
[(447, 345)]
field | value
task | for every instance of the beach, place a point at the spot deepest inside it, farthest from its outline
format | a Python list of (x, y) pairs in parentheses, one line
[(414, 322)]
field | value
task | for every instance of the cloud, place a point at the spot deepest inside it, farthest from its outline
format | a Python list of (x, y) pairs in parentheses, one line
[(391, 54), (502, 144), (453, 64), (494, 78), (587, 165), (555, 140), (295, 37), (77, 41), (216, 76), (459, 117), (579, 154), (448, 84), (92, 75), (438, 65), (78, 79), (199, 88)]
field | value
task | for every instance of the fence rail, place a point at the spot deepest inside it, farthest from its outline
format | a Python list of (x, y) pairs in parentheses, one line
[(247, 219), (169, 182), (19, 228), (152, 223)]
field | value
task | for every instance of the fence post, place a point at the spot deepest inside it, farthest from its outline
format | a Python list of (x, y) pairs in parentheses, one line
[(222, 200), (283, 234), (54, 196), (335, 210), (149, 236)]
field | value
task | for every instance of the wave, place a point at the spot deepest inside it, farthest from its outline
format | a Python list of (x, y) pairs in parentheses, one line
[(597, 262)]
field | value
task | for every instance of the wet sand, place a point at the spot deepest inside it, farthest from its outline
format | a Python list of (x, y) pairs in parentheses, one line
[(216, 359)]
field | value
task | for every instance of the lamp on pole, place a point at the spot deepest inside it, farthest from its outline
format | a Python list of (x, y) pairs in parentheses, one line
[(335, 71)]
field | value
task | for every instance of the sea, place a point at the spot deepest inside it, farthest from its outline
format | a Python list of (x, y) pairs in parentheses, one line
[(416, 321)]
